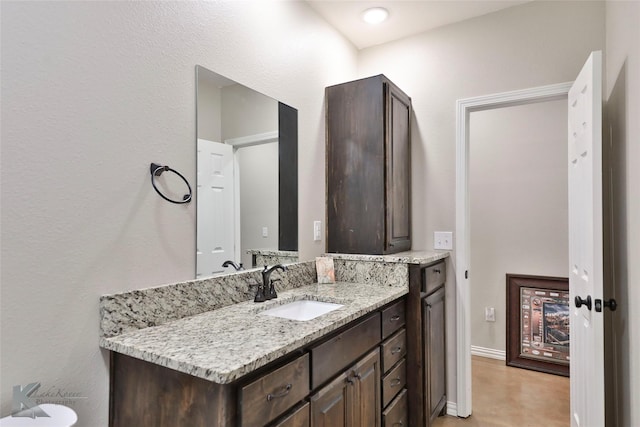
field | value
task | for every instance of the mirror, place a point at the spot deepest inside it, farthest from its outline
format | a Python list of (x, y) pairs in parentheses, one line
[(247, 177)]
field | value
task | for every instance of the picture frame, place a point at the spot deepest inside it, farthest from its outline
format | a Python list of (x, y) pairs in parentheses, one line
[(538, 323)]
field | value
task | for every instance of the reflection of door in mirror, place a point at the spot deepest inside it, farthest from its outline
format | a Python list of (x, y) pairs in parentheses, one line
[(260, 211), (215, 208)]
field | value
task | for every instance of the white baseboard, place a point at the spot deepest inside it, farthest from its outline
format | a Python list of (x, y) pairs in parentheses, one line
[(488, 352), (452, 409)]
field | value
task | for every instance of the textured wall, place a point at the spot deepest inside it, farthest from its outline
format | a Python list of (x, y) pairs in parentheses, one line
[(535, 44), (622, 95), (92, 92)]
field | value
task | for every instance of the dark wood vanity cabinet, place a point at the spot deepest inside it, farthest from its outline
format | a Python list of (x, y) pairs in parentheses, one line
[(426, 331), (368, 167), (352, 399), (355, 376)]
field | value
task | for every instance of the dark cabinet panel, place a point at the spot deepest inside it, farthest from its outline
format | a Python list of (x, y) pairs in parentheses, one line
[(300, 417), (393, 318), (396, 414), (366, 384), (393, 382), (341, 350), (435, 379), (329, 407), (352, 399), (270, 395), (426, 352), (144, 394), (368, 167)]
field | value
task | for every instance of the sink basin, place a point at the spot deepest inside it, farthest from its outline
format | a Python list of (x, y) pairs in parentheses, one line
[(302, 310)]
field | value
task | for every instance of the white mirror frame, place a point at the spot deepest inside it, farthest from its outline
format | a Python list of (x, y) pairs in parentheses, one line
[(464, 107)]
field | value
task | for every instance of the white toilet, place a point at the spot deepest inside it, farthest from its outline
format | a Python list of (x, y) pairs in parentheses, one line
[(59, 416)]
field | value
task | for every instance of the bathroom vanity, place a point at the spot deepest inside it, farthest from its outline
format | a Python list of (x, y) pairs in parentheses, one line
[(237, 366)]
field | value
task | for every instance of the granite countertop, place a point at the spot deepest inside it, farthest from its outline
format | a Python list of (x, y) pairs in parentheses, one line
[(227, 343), (407, 257)]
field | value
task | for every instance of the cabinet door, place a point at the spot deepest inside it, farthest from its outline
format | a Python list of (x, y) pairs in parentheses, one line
[(398, 170), (435, 353), (330, 405), (298, 418), (365, 378)]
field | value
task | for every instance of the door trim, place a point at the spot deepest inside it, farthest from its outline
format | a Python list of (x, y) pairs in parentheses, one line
[(464, 107)]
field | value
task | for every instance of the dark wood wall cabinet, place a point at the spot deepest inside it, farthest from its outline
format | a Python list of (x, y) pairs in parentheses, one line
[(426, 330), (355, 376), (368, 167)]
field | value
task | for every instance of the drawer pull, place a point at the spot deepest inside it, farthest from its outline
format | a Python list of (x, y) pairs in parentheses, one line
[(436, 270), (283, 393), (399, 423), (395, 382), (396, 350), (395, 317)]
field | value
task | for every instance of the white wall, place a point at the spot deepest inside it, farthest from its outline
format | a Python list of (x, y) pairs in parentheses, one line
[(258, 198), (519, 205), (209, 110), (92, 92), (535, 44), (622, 94)]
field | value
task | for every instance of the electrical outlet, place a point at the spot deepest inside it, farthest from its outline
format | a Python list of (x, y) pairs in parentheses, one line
[(443, 240), (317, 230), (265, 232), (490, 314)]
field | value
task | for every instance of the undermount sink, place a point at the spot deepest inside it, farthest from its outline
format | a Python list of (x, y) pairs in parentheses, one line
[(302, 309)]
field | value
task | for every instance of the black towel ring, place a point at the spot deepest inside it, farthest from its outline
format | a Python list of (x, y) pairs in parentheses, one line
[(156, 170)]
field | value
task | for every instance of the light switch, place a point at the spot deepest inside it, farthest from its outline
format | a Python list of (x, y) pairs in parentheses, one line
[(317, 230), (265, 232), (443, 240), (490, 314)]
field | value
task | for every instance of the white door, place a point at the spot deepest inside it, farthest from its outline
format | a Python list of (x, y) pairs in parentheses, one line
[(585, 245), (215, 210)]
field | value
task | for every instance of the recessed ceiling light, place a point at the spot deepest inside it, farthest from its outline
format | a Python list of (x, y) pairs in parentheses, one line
[(375, 15)]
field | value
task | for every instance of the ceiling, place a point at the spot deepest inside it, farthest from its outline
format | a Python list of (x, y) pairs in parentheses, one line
[(406, 17)]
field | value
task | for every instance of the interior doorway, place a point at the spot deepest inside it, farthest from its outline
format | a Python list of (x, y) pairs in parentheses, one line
[(463, 237), (518, 196)]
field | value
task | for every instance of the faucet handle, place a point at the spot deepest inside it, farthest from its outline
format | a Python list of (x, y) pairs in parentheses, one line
[(271, 292), (260, 297)]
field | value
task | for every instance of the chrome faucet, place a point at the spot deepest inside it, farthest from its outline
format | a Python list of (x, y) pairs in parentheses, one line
[(233, 264), (267, 291)]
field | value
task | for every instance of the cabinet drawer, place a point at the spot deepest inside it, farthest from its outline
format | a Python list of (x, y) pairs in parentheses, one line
[(393, 350), (433, 277), (393, 382), (342, 350), (396, 414), (269, 396), (392, 318), (298, 418)]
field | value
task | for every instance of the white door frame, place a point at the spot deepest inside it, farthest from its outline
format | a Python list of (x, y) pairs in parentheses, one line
[(464, 107)]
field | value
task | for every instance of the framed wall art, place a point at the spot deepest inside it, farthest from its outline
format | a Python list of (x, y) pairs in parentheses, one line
[(538, 323)]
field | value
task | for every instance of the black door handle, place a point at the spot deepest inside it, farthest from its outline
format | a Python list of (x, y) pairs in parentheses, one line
[(612, 304), (586, 302)]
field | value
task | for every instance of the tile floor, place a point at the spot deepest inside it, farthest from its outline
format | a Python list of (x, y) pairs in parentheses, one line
[(508, 397)]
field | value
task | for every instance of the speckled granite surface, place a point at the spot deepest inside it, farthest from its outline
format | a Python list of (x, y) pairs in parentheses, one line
[(381, 270), (129, 311), (408, 257), (224, 344), (271, 256)]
